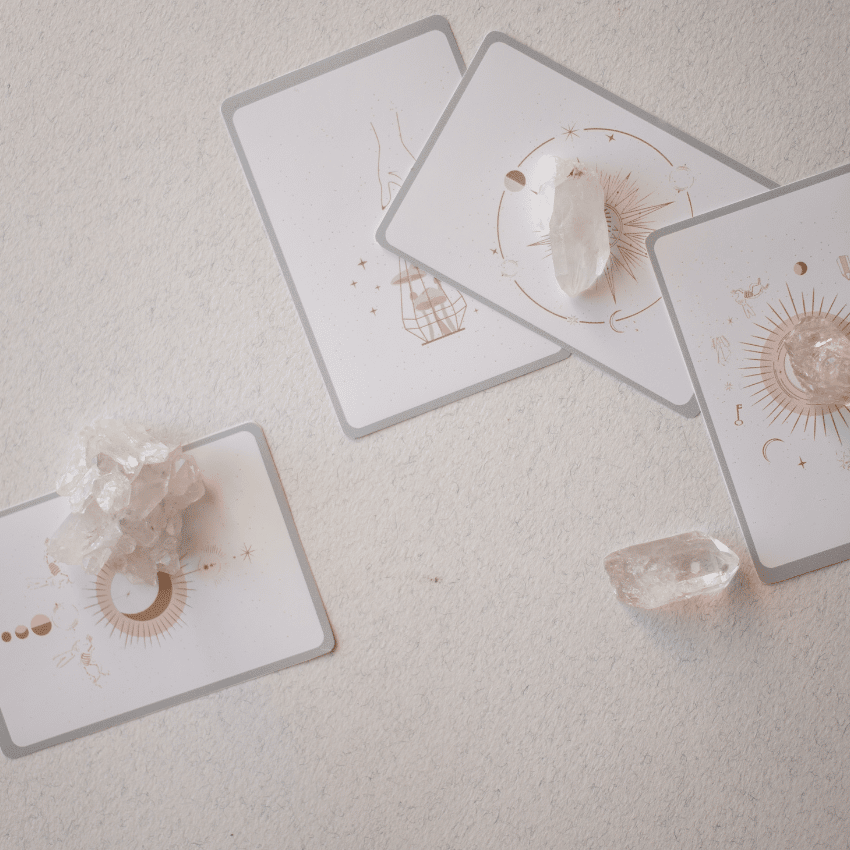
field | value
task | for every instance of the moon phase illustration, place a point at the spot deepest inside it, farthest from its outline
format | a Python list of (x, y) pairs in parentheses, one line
[(764, 447), (40, 625), (800, 268), (6, 637), (156, 619), (514, 181), (611, 321), (21, 632)]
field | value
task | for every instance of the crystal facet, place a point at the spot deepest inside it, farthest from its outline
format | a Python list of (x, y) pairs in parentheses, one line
[(653, 574), (819, 357), (127, 492), (578, 229)]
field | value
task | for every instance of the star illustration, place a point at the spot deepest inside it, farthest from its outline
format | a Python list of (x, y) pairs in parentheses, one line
[(247, 551), (802, 463), (354, 283), (373, 311), (363, 263), (493, 251), (569, 132), (728, 386), (377, 287), (731, 320), (611, 138)]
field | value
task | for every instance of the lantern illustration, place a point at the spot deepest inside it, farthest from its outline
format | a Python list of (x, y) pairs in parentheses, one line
[(429, 311)]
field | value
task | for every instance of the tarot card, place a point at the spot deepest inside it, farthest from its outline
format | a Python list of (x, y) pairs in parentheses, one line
[(474, 213), (324, 150), (759, 293), (80, 653)]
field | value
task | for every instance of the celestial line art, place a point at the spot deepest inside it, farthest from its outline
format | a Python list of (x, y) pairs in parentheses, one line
[(247, 552), (163, 614), (802, 463), (800, 268), (764, 447), (428, 311), (773, 382), (629, 211), (743, 296), (722, 348), (629, 223)]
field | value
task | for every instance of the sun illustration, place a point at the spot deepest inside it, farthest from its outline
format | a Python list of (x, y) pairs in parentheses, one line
[(163, 613), (784, 395), (644, 190), (628, 212)]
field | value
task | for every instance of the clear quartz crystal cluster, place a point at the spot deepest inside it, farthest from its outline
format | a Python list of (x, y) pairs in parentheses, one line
[(578, 229), (127, 492), (650, 575), (819, 355)]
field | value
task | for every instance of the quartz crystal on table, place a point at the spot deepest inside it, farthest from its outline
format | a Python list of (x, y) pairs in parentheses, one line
[(653, 574), (127, 491), (578, 229), (819, 356)]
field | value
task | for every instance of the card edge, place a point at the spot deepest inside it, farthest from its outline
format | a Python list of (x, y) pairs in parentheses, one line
[(689, 409), (13, 751), (790, 569)]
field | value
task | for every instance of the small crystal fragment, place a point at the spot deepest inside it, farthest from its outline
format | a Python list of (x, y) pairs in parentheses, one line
[(127, 492), (671, 569), (578, 229), (819, 355)]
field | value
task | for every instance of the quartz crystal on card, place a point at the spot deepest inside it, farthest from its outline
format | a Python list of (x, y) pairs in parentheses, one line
[(819, 357), (127, 492), (653, 574), (578, 229)]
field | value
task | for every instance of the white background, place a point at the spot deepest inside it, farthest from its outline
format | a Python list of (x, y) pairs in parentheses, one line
[(514, 703)]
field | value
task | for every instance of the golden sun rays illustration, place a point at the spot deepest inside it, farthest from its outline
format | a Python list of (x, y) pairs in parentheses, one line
[(773, 382), (628, 212), (158, 618)]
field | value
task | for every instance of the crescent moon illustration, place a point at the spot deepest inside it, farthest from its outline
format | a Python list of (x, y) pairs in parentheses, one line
[(764, 447), (611, 322), (160, 616), (162, 601)]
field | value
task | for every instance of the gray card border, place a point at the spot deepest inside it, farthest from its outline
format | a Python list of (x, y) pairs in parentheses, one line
[(12, 750), (228, 110), (690, 409), (768, 575)]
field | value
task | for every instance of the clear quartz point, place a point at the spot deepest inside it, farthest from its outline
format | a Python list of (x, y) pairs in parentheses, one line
[(653, 574), (578, 229), (127, 491)]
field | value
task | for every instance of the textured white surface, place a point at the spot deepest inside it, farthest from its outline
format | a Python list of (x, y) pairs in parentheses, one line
[(513, 702)]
